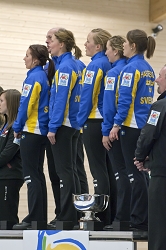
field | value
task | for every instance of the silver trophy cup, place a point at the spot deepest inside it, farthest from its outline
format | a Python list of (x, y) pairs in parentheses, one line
[(89, 205)]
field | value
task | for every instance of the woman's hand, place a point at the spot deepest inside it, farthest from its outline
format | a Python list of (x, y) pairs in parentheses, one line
[(17, 135), (114, 133), (106, 142), (51, 137)]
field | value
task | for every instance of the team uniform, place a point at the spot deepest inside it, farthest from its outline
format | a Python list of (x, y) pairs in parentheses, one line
[(90, 117), (63, 109), (135, 99), (152, 143), (115, 153), (11, 177), (32, 120)]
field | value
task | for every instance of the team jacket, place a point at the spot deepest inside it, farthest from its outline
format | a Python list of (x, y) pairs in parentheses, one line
[(91, 103), (110, 95), (10, 160), (135, 93), (152, 140), (33, 110), (65, 94)]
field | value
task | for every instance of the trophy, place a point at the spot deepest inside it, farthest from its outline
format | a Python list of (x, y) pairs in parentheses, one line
[(90, 205)]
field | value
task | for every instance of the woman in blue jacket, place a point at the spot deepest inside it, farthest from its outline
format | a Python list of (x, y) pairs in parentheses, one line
[(90, 114), (115, 55), (134, 101), (63, 127), (31, 126)]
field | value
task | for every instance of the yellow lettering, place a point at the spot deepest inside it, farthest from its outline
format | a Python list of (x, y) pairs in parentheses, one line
[(77, 98), (146, 100), (46, 109)]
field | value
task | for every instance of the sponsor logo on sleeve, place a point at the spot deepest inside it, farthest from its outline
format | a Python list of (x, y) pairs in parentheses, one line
[(153, 118), (26, 89), (110, 83), (89, 77), (126, 79), (63, 79)]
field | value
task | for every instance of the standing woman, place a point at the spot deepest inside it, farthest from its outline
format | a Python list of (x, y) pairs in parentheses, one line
[(135, 99), (115, 55), (11, 177), (90, 114), (63, 128), (31, 126)]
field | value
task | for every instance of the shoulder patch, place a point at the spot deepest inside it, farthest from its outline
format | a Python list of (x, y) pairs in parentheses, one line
[(89, 77), (26, 89), (110, 83), (63, 79), (153, 118), (126, 79)]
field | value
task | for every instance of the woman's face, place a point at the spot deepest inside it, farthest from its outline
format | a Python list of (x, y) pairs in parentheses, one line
[(127, 49), (3, 104), (55, 46), (110, 53), (90, 46), (29, 63)]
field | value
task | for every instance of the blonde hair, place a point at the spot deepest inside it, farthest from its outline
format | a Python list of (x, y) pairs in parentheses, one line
[(67, 37), (116, 42), (101, 37)]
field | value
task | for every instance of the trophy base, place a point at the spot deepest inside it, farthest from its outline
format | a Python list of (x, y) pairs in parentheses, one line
[(6, 225), (64, 225), (91, 225), (121, 225)]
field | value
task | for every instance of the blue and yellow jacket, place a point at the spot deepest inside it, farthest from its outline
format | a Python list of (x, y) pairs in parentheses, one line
[(33, 110), (65, 94), (135, 93), (91, 103), (110, 95)]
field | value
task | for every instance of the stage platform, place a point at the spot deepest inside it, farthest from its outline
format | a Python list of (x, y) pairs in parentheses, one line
[(88, 240)]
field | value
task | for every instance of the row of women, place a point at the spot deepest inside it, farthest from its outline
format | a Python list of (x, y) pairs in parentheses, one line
[(110, 104)]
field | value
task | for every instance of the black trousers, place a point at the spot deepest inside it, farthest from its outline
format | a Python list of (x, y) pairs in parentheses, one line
[(139, 186), (9, 200), (32, 148), (157, 213), (122, 180), (80, 166), (54, 178), (64, 153), (96, 154)]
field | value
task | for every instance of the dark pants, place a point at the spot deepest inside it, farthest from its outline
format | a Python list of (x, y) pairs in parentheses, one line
[(9, 200), (55, 181), (96, 154), (32, 148), (157, 213), (64, 153), (139, 187), (122, 180), (80, 166)]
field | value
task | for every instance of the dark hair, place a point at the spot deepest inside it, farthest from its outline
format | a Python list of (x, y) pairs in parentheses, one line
[(116, 42), (142, 42), (40, 52), (101, 37), (2, 119), (67, 37), (12, 97)]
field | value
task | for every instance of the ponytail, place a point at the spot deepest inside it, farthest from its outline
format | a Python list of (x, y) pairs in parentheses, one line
[(78, 52), (150, 47), (51, 71)]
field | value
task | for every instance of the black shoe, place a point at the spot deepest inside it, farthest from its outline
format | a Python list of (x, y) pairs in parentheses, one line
[(138, 227), (108, 228), (22, 226), (76, 227), (51, 226), (53, 222)]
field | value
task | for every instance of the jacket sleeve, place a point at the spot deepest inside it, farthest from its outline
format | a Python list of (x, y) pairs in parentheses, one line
[(109, 102), (29, 97), (10, 149), (127, 90), (91, 85), (66, 81), (150, 132)]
